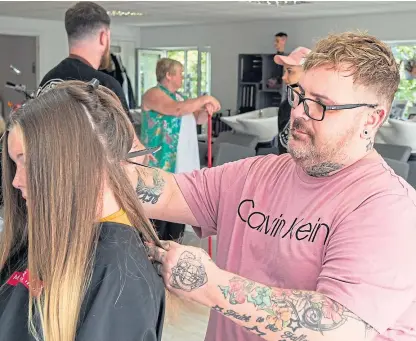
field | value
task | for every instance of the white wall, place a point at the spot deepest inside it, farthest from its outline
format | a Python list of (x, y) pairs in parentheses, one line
[(52, 41), (227, 41)]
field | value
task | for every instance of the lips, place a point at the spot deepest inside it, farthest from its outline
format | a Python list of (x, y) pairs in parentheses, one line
[(297, 131)]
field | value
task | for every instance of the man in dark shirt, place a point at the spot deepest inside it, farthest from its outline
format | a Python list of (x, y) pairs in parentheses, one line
[(88, 28), (280, 40)]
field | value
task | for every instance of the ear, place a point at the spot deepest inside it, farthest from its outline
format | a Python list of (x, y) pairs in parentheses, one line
[(103, 38), (374, 120)]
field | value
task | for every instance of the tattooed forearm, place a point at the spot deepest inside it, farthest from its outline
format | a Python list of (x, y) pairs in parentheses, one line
[(189, 273), (291, 314), (289, 336), (256, 330), (150, 194), (233, 314)]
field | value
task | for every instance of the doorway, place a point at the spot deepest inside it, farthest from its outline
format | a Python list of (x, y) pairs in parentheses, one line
[(21, 53), (196, 63), (146, 60)]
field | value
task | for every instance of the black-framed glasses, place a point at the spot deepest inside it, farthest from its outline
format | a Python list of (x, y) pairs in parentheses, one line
[(141, 153), (315, 109)]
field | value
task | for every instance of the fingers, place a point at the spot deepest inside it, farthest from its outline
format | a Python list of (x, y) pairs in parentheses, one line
[(169, 244), (165, 244), (158, 267), (210, 109), (156, 253), (214, 103)]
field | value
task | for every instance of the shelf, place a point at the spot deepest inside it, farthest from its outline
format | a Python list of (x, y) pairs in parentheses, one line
[(254, 72), (271, 90)]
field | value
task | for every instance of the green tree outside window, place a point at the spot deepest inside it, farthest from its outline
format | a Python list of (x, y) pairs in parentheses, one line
[(407, 87)]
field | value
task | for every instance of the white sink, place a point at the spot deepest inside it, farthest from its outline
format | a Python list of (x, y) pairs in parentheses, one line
[(261, 123)]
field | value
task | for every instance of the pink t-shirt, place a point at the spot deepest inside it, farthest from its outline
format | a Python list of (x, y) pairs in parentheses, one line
[(350, 236)]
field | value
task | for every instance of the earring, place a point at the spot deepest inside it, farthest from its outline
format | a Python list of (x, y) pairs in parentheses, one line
[(365, 132)]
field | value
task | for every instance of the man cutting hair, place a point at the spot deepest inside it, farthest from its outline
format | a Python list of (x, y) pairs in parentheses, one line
[(318, 244)]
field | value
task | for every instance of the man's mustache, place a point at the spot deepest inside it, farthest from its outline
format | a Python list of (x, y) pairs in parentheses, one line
[(298, 124)]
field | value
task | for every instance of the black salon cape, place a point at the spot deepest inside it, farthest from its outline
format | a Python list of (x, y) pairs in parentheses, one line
[(125, 300), (73, 68)]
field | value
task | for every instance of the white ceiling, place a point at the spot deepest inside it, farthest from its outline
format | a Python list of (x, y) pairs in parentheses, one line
[(162, 13)]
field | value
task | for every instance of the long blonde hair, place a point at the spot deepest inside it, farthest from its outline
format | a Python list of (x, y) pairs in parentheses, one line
[(73, 134)]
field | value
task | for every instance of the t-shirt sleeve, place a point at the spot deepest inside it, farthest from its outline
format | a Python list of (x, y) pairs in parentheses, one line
[(370, 263), (124, 301), (207, 189), (115, 86)]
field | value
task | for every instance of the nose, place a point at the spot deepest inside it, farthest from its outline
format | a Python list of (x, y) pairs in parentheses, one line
[(284, 78), (299, 111), (17, 180)]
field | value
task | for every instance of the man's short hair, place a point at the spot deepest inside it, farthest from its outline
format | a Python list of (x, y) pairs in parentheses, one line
[(84, 19), (281, 34), (164, 66), (370, 62)]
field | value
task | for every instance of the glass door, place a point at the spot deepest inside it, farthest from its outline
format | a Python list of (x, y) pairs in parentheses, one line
[(146, 60)]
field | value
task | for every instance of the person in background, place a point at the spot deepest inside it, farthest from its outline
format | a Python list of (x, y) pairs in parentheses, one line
[(280, 40), (293, 71), (73, 224), (87, 25), (315, 245), (169, 121)]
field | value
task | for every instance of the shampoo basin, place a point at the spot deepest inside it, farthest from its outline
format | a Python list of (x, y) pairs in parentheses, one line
[(261, 123)]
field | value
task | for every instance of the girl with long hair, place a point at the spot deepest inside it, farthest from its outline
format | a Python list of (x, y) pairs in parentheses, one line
[(73, 265)]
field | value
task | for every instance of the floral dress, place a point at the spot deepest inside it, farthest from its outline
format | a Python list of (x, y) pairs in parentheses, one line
[(162, 130)]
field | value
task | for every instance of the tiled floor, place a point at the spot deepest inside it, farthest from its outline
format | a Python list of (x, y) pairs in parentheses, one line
[(190, 324)]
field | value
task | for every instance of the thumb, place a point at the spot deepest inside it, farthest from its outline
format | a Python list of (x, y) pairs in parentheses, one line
[(167, 244)]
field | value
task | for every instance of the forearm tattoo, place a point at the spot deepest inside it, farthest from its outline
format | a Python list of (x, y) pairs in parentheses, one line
[(150, 194), (189, 273), (286, 312)]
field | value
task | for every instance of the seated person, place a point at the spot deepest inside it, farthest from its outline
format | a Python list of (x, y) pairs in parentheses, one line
[(74, 223)]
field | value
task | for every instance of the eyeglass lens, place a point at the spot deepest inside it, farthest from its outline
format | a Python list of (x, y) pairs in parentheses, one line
[(313, 109)]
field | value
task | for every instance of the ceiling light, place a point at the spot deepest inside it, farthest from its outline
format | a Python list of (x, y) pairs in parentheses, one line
[(124, 14), (278, 3)]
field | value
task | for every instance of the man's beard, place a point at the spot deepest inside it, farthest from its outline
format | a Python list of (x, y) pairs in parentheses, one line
[(322, 160), (105, 59)]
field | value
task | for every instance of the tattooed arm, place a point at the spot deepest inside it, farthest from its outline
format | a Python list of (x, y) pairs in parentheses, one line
[(284, 314), (271, 313), (161, 197)]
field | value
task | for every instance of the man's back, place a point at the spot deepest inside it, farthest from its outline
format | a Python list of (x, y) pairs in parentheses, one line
[(348, 236), (75, 68)]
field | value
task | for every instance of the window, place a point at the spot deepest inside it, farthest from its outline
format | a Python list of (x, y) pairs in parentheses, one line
[(405, 53), (196, 63)]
